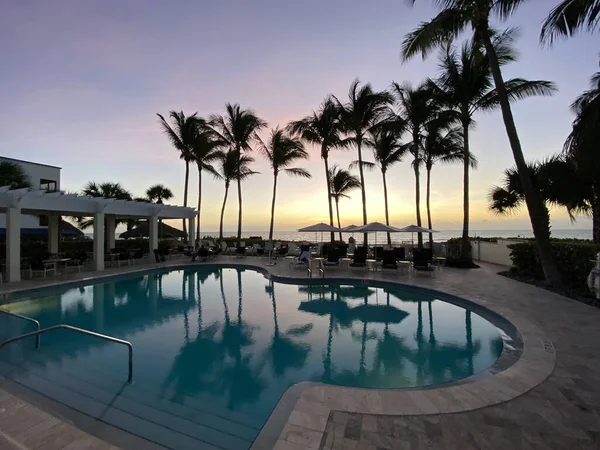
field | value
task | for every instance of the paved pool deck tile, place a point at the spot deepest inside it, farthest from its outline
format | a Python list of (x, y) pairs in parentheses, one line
[(548, 398)]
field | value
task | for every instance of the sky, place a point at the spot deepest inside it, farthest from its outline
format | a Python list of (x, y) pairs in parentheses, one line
[(82, 81)]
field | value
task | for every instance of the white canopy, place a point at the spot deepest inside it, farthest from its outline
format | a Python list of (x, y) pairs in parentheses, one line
[(415, 229), (322, 227), (349, 229), (374, 227)]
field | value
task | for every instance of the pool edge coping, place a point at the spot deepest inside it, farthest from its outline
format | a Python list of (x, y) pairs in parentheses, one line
[(313, 402)]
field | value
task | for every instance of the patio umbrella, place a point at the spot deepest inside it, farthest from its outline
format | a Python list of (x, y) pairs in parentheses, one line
[(412, 229), (318, 227), (143, 230), (374, 227)]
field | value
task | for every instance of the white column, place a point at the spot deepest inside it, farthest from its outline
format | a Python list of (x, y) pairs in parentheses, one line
[(99, 241), (152, 235), (13, 244), (192, 231), (53, 233), (110, 232)]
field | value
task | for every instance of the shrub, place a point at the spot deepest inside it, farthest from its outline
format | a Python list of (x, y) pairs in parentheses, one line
[(573, 257)]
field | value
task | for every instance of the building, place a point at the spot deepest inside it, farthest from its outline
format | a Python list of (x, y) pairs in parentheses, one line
[(41, 176)]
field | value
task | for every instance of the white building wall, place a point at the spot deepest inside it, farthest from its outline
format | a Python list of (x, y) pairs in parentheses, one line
[(35, 172), (493, 252)]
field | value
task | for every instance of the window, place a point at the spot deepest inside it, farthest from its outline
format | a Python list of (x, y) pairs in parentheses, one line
[(48, 185)]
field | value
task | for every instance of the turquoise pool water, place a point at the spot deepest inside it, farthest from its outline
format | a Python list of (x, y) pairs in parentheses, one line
[(215, 348)]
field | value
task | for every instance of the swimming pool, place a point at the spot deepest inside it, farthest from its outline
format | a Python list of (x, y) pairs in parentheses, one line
[(215, 348)]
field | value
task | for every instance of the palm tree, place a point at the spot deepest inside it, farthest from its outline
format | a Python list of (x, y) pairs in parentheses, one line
[(581, 149), (238, 129), (465, 85), (556, 179), (416, 108), (158, 193), (13, 175), (205, 150), (182, 135), (281, 151), (341, 182), (360, 115), (569, 17), (232, 167), (445, 145), (455, 17), (323, 128), (387, 150)]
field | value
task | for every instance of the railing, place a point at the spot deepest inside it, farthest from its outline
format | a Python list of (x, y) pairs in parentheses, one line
[(77, 330), (28, 319)]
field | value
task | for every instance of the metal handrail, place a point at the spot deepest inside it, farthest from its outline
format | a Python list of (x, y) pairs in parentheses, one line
[(29, 319), (77, 330)]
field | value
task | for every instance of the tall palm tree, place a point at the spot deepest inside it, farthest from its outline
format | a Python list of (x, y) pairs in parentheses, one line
[(465, 85), (441, 144), (341, 182), (361, 114), (581, 149), (232, 167), (569, 17), (323, 128), (281, 151), (387, 150), (13, 175), (455, 17), (206, 149), (181, 135), (158, 193), (238, 129), (416, 108)]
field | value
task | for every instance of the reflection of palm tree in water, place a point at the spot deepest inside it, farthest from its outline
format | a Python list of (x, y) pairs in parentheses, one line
[(284, 352), (240, 379)]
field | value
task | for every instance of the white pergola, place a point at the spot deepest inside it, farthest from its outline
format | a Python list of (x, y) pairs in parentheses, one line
[(15, 202)]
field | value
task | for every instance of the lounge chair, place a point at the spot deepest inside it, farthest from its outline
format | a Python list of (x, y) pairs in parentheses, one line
[(421, 264), (360, 258), (388, 260), (302, 261), (282, 250), (333, 259), (400, 253), (378, 251), (203, 254), (240, 252), (325, 248), (39, 266), (343, 251)]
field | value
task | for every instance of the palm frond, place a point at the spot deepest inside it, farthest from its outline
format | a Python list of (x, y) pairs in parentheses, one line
[(298, 172), (569, 17)]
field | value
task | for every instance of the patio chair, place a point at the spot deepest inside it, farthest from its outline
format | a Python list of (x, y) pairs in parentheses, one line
[(333, 259), (240, 252), (378, 251), (77, 261), (158, 255), (282, 250), (39, 266), (302, 261), (360, 258), (389, 260), (400, 253), (137, 255), (325, 250), (343, 251), (421, 264), (203, 254)]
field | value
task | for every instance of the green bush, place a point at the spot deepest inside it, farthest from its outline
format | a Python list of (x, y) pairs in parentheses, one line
[(574, 259)]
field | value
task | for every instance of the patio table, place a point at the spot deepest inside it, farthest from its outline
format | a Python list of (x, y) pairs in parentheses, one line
[(56, 261)]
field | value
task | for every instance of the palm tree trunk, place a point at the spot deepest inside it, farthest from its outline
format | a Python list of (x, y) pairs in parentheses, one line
[(273, 207), (185, 191), (363, 192), (337, 210), (223, 210), (417, 187), (324, 154), (596, 220), (199, 201), (428, 206), (465, 244), (239, 230), (385, 200), (535, 205)]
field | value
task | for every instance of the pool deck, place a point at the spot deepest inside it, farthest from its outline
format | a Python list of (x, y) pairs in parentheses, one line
[(549, 399)]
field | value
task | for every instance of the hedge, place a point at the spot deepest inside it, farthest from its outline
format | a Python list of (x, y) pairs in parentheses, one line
[(574, 259)]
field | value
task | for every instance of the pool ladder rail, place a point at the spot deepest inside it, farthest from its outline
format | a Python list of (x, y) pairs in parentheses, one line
[(321, 270), (41, 331)]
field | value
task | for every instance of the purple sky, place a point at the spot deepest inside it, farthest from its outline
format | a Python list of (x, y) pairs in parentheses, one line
[(82, 81)]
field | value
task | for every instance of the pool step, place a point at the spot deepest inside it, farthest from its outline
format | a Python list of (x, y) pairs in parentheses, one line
[(167, 423)]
